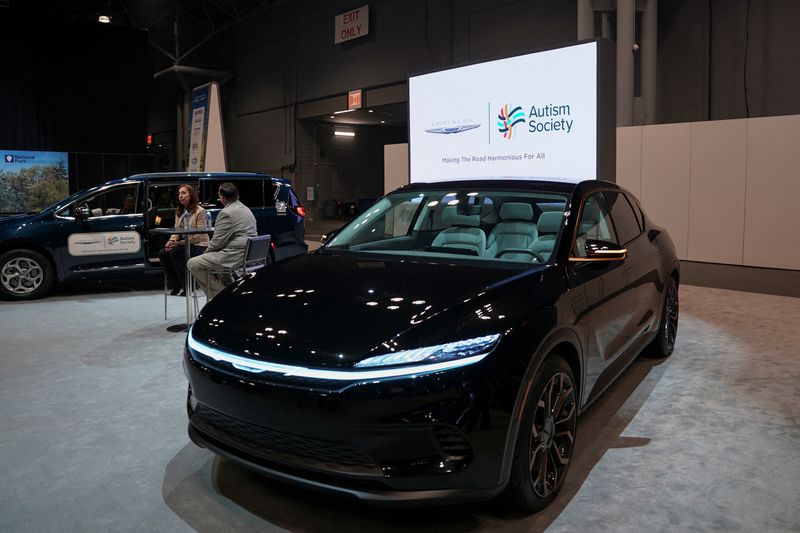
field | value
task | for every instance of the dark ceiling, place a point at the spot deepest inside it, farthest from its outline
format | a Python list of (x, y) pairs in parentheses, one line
[(179, 32)]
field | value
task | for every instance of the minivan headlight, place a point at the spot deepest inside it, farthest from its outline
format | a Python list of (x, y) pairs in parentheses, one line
[(475, 347)]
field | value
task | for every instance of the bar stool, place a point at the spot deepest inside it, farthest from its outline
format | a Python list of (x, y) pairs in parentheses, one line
[(256, 256), (167, 290)]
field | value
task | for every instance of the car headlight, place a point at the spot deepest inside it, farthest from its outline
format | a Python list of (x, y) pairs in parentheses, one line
[(414, 362), (479, 346)]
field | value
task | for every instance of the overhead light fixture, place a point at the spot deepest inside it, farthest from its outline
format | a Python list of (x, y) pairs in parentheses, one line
[(383, 122), (332, 116), (104, 19), (343, 111), (342, 133), (370, 110)]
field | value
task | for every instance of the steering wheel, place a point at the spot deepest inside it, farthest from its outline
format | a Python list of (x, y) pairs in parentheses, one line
[(534, 254)]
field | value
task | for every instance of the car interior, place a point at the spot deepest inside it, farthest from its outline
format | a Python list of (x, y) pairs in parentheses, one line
[(502, 225)]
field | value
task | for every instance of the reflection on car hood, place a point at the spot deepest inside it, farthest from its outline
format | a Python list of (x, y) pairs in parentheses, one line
[(329, 310), (11, 224)]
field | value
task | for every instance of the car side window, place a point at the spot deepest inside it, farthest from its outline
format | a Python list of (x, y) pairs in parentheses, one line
[(114, 201), (637, 209), (271, 193), (251, 192), (595, 224), (625, 220)]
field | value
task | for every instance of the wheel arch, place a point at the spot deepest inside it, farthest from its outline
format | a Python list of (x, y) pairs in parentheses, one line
[(563, 342), (21, 244)]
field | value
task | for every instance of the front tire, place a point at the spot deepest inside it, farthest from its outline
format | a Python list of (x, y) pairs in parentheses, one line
[(25, 275), (546, 438)]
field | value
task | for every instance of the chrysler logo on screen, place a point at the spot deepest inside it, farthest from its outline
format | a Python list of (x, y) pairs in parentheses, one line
[(453, 129), (9, 159)]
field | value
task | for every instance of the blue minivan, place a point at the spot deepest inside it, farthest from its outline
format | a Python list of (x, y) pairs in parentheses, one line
[(104, 231)]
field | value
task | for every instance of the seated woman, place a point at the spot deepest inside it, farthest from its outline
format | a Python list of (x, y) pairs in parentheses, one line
[(173, 255)]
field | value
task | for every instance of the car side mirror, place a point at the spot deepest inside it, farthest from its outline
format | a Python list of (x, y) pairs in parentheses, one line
[(601, 251), (82, 212)]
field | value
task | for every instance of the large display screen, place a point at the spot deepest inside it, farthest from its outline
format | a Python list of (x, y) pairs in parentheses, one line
[(31, 181), (527, 116)]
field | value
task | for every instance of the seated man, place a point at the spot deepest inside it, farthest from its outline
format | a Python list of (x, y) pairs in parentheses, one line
[(235, 223), (128, 207)]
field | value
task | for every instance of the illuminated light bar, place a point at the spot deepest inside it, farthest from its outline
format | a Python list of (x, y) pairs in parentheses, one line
[(340, 133), (259, 367)]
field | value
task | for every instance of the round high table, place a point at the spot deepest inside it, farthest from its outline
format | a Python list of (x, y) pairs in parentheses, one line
[(189, 290)]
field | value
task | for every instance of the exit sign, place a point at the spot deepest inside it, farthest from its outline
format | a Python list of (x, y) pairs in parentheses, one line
[(351, 25), (354, 99)]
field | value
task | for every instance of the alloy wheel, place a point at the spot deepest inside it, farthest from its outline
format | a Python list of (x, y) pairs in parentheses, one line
[(552, 434), (22, 275), (671, 324)]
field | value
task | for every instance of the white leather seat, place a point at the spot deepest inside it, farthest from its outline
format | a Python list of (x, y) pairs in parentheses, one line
[(548, 225), (515, 233), (464, 233)]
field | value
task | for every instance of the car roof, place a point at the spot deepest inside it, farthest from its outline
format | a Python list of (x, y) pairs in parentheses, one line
[(172, 176), (534, 184)]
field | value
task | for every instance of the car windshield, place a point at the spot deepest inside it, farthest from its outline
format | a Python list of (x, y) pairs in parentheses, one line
[(497, 225)]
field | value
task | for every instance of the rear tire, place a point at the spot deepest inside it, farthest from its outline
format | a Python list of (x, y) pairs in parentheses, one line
[(546, 438), (25, 275), (664, 343)]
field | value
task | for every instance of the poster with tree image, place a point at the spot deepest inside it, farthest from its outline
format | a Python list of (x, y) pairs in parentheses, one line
[(31, 181)]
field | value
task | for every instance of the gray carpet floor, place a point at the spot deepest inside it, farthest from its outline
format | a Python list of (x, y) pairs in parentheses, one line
[(93, 432)]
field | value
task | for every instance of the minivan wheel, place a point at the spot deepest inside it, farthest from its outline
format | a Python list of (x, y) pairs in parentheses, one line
[(546, 438), (664, 343), (25, 275)]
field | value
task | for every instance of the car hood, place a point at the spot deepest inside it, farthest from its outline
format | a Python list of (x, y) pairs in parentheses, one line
[(333, 310), (10, 224)]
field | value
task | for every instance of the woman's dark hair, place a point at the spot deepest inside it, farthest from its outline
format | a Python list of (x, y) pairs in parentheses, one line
[(193, 200), (229, 191)]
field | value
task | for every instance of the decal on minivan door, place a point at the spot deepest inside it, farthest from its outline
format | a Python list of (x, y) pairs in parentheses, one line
[(112, 243)]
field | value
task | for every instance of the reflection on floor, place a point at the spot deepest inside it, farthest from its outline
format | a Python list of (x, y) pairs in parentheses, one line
[(94, 432)]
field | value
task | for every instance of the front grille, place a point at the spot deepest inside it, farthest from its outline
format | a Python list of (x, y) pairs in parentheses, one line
[(286, 448), (453, 444)]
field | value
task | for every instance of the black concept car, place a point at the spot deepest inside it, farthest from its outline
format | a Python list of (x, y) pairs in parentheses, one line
[(440, 346)]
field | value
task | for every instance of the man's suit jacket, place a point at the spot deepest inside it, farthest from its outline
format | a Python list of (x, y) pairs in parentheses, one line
[(234, 224)]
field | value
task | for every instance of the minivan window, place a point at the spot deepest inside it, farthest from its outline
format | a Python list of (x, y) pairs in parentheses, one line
[(114, 201), (251, 193)]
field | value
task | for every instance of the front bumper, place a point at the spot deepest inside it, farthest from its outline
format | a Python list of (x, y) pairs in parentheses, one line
[(432, 438)]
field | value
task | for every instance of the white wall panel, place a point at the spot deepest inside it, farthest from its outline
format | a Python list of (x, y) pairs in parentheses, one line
[(717, 191), (665, 179), (773, 193), (629, 159), (395, 166)]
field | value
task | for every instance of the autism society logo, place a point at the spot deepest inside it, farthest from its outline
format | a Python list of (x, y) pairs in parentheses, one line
[(507, 120), (113, 240), (541, 119)]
